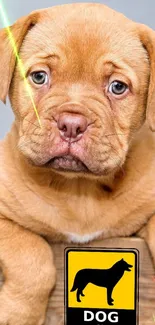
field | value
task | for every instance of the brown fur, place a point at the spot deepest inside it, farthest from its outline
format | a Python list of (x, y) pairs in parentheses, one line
[(85, 46)]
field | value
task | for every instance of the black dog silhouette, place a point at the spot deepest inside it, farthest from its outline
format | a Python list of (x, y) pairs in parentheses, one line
[(107, 278)]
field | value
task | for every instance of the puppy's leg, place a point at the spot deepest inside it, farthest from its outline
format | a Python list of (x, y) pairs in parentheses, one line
[(148, 234), (29, 275)]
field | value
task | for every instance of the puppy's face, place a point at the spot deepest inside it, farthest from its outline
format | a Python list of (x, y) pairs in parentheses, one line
[(89, 75)]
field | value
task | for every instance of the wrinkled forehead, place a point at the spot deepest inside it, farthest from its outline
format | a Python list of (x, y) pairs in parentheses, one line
[(85, 39)]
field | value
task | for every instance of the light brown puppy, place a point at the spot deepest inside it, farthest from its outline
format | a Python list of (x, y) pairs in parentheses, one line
[(88, 172)]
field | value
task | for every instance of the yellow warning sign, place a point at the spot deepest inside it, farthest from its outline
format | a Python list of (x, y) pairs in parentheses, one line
[(102, 280)]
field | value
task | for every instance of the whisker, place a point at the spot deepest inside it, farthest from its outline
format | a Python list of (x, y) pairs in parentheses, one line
[(113, 134), (32, 123), (115, 150), (127, 156)]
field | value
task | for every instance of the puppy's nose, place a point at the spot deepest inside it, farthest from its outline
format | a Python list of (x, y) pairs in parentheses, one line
[(72, 126)]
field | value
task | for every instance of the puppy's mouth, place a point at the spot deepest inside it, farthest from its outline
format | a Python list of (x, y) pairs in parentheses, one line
[(67, 163)]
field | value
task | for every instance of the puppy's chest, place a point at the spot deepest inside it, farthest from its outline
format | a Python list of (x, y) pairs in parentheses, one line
[(77, 219), (74, 219), (83, 238), (88, 220)]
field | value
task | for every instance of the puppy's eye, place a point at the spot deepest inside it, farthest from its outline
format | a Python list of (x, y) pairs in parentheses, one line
[(39, 77), (117, 87)]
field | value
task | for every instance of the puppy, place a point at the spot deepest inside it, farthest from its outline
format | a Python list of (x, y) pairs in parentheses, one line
[(87, 172)]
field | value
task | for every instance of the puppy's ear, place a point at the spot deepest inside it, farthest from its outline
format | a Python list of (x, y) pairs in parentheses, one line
[(147, 37), (11, 39)]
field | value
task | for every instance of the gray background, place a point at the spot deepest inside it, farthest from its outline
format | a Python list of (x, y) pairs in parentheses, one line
[(139, 10)]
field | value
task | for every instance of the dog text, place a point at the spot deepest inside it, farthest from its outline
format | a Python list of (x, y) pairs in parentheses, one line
[(100, 316)]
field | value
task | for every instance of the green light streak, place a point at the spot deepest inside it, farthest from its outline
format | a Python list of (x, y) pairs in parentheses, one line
[(20, 64)]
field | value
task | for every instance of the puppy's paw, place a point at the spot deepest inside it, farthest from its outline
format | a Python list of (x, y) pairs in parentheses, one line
[(11, 319), (15, 313), (54, 318)]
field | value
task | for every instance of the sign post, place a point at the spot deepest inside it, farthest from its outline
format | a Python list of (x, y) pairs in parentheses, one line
[(101, 286)]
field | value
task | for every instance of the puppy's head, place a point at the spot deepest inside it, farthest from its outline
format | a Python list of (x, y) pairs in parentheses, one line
[(92, 77)]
